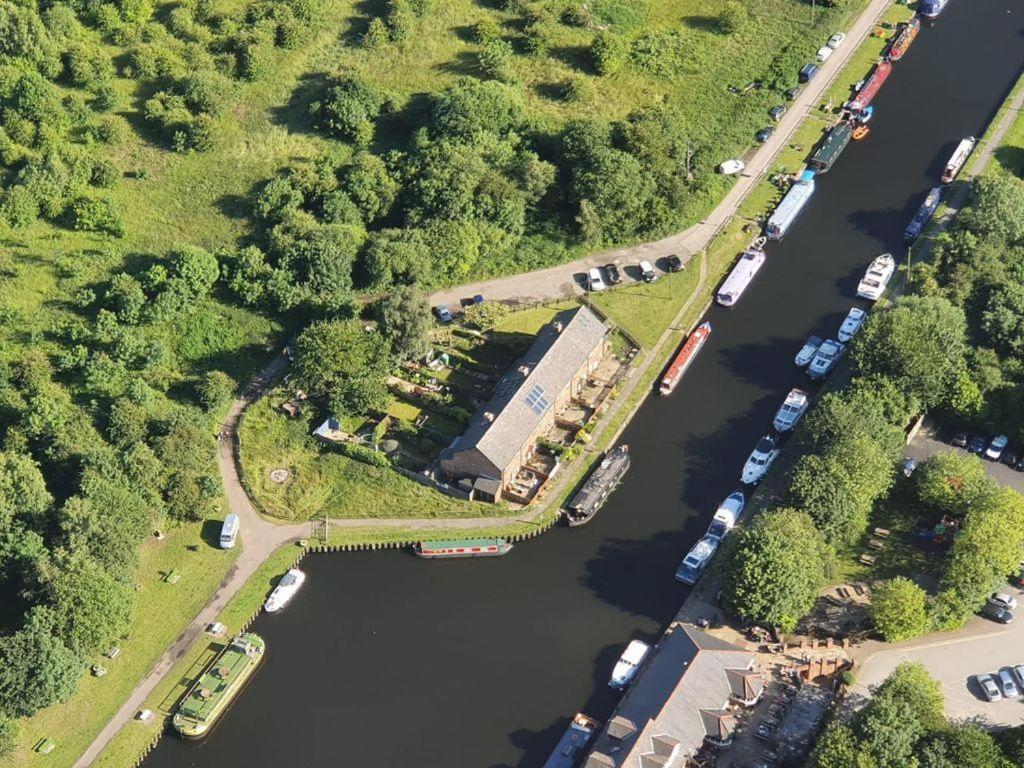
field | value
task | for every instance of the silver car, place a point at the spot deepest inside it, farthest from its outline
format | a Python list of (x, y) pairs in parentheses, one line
[(1008, 685), (988, 687)]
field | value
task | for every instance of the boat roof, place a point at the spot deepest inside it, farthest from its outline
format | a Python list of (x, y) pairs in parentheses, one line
[(219, 677), (612, 466), (635, 651), (455, 543)]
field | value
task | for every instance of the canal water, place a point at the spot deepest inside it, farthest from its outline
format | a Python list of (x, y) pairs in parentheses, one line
[(385, 660)]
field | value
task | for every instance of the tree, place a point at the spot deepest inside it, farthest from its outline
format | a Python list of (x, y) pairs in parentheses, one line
[(23, 493), (341, 360), (215, 388), (8, 736), (36, 669), (193, 271), (125, 298), (732, 17), (349, 109), (889, 732), (910, 682), (1003, 318), (609, 51), (406, 322), (839, 748), (962, 745), (90, 607), (370, 186), (950, 482), (920, 343), (899, 610), (776, 568), (472, 106), (397, 257), (996, 208)]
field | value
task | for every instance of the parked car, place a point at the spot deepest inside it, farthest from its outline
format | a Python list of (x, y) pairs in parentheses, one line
[(808, 72), (977, 445), (851, 325), (808, 351), (675, 264), (594, 280), (614, 276), (960, 440), (442, 313), (764, 134), (988, 687), (824, 53), (1019, 672), (760, 461), (995, 613), (1019, 466), (1003, 600), (776, 113), (1007, 684), (908, 465), (730, 167), (647, 272), (836, 40), (478, 299), (792, 93), (995, 449), (1010, 459)]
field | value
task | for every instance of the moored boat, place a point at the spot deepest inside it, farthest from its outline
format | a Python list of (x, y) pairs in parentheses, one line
[(574, 741), (932, 8), (726, 515), (924, 215), (903, 40), (285, 590), (457, 548), (959, 158), (861, 132), (877, 277), (785, 214), (684, 358), (833, 145), (871, 86), (207, 700), (742, 274), (697, 560), (629, 664), (598, 487)]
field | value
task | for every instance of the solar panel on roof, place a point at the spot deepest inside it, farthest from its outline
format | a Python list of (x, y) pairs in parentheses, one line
[(536, 400)]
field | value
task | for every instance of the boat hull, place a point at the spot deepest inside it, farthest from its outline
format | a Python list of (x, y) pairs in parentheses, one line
[(684, 359), (461, 552)]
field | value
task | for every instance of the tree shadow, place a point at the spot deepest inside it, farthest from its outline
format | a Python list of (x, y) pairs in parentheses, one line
[(550, 91), (575, 56), (366, 11), (294, 114), (702, 23), (1011, 158), (465, 64)]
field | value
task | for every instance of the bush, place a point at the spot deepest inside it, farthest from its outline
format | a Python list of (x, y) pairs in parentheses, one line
[(96, 214), (495, 61), (899, 610), (364, 454), (349, 109), (609, 51), (733, 16)]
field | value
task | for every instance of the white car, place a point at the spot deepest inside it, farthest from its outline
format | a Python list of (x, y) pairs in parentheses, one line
[(1003, 600), (628, 664), (1007, 684), (995, 449), (825, 359), (836, 40), (730, 167), (854, 320), (824, 53), (760, 460), (808, 351), (988, 687), (792, 410), (647, 272), (594, 280), (877, 277), (1019, 671)]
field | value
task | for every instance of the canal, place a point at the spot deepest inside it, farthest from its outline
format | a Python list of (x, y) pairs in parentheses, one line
[(386, 660)]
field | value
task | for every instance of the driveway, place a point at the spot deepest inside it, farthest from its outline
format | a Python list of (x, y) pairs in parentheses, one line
[(982, 647), (930, 441), (566, 279)]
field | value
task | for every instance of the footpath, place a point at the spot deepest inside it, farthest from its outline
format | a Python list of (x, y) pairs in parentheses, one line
[(563, 280)]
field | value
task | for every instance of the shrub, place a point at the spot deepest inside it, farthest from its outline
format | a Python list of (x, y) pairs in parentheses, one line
[(364, 454), (349, 109), (899, 610), (495, 60), (732, 17), (609, 51), (96, 214), (485, 30)]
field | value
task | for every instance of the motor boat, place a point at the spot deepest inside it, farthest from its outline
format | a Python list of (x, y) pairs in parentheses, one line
[(285, 590), (757, 466), (851, 325), (726, 515), (825, 359), (792, 410), (808, 351), (628, 664), (877, 277)]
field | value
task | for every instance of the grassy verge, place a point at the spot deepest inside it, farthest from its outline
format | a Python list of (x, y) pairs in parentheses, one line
[(644, 310), (162, 610)]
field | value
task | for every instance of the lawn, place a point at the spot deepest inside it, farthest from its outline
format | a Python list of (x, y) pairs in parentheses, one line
[(161, 612), (322, 481)]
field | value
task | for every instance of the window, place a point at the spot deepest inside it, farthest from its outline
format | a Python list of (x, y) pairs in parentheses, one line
[(537, 401)]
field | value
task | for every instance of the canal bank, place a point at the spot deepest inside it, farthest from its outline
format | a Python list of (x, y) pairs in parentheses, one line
[(558, 610)]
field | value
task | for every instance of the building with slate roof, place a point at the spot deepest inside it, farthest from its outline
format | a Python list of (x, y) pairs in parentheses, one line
[(689, 694), (503, 433)]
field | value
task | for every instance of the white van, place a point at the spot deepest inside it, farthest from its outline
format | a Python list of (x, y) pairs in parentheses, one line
[(647, 272), (824, 53), (229, 531)]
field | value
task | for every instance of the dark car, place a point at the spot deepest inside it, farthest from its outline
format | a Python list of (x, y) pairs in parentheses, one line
[(978, 445), (1019, 466), (1011, 459), (808, 72), (478, 299), (764, 134), (443, 314), (776, 113), (959, 440), (675, 264), (995, 613), (614, 276), (792, 93)]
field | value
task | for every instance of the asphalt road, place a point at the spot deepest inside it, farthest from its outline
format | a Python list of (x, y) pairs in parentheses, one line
[(929, 442), (984, 647)]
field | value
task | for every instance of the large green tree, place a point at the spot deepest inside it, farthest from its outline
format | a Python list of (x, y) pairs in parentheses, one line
[(406, 322), (36, 669), (899, 610), (90, 607), (776, 568)]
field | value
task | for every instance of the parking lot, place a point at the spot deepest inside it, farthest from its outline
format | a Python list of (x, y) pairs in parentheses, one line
[(981, 647), (930, 441)]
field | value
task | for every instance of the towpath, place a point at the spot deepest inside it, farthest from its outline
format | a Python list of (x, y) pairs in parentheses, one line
[(565, 280)]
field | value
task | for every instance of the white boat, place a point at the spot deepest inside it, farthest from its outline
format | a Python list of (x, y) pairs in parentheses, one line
[(746, 268), (760, 461), (628, 664), (726, 515), (956, 162), (285, 590), (877, 277), (825, 359), (787, 211), (808, 351), (697, 560), (792, 410), (851, 325)]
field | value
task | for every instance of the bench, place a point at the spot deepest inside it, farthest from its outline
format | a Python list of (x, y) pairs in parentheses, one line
[(882, 533), (876, 544), (867, 559)]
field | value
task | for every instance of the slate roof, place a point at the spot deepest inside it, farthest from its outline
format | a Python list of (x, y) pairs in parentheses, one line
[(746, 684), (524, 395), (678, 696)]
